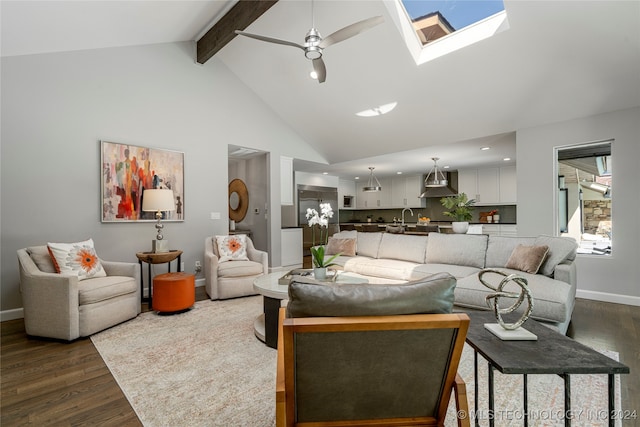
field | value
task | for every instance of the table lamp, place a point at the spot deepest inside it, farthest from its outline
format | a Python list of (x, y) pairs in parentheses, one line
[(158, 201)]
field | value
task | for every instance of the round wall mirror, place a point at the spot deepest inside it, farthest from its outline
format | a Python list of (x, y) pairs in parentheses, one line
[(238, 200), (234, 200)]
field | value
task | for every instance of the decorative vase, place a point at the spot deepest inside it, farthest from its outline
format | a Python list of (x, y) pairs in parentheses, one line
[(489, 219), (496, 218), (460, 227), (320, 273)]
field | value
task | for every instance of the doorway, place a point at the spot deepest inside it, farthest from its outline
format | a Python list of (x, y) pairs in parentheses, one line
[(251, 166)]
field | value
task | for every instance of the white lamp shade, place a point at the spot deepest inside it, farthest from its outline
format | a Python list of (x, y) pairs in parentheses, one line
[(158, 200)]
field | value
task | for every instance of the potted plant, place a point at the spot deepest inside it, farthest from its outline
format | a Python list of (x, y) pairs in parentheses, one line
[(460, 208), (317, 252)]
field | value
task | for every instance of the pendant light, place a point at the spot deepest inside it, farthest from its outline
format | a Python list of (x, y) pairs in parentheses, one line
[(435, 178), (373, 184)]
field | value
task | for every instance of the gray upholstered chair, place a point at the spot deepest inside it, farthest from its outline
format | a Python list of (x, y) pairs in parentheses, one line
[(373, 370), (342, 360), (231, 279), (64, 307)]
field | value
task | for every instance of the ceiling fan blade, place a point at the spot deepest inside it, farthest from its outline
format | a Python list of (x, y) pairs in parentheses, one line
[(320, 69), (269, 39), (350, 31)]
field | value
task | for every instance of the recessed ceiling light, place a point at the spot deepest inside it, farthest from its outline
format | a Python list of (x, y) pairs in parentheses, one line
[(357, 177), (446, 167), (325, 173), (399, 173), (485, 148), (506, 159), (377, 111)]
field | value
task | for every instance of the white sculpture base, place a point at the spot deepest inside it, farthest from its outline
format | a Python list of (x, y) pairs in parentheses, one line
[(519, 334)]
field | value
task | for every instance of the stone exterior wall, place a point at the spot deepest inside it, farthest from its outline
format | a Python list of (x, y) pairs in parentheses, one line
[(597, 217)]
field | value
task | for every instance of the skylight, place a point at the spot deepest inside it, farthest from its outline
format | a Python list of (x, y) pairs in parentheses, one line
[(432, 28)]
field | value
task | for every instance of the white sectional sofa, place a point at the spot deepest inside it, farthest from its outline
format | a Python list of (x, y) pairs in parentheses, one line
[(395, 258)]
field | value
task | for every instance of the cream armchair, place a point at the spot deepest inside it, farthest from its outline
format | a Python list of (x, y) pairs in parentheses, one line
[(63, 307), (231, 279)]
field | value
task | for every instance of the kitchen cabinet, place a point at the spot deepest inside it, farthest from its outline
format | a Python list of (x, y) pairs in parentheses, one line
[(509, 230), (405, 191), (286, 181), (489, 186), (491, 229), (468, 182), (508, 185), (291, 244), (346, 188)]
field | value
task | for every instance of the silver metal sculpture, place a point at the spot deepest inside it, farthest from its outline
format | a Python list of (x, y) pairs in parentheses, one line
[(493, 299)]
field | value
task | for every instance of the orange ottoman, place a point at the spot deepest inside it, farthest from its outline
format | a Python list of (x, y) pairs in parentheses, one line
[(173, 292)]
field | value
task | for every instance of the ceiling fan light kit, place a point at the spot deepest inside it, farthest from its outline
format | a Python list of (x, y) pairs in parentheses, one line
[(373, 184), (315, 44)]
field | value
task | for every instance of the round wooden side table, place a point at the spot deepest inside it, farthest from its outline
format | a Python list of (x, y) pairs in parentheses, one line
[(155, 258)]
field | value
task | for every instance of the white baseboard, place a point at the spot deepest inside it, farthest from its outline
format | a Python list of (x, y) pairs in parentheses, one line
[(607, 297), (16, 313), (200, 283)]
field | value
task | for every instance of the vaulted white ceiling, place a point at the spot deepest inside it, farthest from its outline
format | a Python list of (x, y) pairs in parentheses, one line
[(557, 61)]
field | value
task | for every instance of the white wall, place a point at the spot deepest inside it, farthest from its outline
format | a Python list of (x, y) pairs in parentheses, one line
[(615, 278), (57, 107)]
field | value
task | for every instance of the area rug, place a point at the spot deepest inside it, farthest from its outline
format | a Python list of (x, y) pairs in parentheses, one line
[(205, 367)]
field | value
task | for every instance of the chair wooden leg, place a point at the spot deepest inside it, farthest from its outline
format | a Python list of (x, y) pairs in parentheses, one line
[(462, 404), (280, 389)]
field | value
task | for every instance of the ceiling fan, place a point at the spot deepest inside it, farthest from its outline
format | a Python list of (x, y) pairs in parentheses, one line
[(314, 44)]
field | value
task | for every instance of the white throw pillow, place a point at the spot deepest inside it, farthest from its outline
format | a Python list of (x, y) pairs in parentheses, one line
[(76, 259), (232, 248)]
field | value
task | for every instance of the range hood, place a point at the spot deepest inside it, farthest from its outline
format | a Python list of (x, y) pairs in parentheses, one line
[(448, 190)]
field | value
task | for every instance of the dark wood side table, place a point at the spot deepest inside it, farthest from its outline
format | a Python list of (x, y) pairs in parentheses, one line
[(155, 258), (552, 353)]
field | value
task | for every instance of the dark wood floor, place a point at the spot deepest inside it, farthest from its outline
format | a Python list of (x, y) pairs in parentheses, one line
[(47, 382)]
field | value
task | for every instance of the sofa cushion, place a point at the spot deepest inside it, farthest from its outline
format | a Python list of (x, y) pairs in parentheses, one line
[(346, 234), (403, 247), (527, 258), (42, 258), (500, 248), (76, 259), (239, 268), (560, 249), (346, 247), (433, 294), (457, 271), (104, 288), (368, 244), (457, 249), (386, 268), (552, 299)]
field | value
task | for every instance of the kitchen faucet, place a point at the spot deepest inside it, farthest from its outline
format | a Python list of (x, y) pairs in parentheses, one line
[(406, 209)]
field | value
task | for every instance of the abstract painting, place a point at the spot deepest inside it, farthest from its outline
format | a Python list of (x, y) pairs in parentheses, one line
[(128, 170)]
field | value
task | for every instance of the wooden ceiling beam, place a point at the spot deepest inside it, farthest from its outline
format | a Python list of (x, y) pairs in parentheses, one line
[(239, 17)]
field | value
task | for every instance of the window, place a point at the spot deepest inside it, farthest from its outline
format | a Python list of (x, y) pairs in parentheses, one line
[(453, 24), (434, 19), (584, 196)]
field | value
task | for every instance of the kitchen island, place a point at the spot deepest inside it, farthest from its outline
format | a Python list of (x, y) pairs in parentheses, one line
[(500, 229)]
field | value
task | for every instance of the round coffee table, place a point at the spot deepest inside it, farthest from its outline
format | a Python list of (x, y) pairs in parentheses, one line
[(275, 296)]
